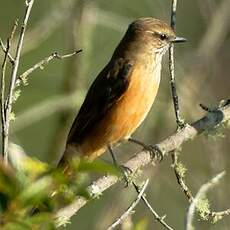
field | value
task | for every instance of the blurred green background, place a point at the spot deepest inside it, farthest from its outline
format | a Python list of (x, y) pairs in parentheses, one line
[(47, 105)]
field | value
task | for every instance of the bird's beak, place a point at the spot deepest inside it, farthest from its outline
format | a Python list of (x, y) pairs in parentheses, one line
[(178, 40)]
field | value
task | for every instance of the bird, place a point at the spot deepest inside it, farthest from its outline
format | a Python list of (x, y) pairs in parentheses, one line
[(122, 94)]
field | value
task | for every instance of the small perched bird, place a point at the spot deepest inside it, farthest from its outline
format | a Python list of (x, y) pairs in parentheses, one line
[(122, 94)]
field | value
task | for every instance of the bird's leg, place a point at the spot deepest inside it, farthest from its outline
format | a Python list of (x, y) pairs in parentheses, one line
[(125, 170), (154, 151), (112, 155)]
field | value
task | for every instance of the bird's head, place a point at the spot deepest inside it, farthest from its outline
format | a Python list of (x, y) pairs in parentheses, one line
[(154, 33)]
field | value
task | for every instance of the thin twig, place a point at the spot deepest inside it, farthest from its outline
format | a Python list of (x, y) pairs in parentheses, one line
[(143, 197), (130, 208), (3, 112), (200, 195), (44, 62), (5, 51), (160, 219), (9, 100), (179, 121), (219, 215), (143, 158), (179, 177)]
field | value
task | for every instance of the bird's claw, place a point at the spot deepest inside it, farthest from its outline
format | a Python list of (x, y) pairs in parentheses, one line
[(126, 172), (180, 124), (155, 152)]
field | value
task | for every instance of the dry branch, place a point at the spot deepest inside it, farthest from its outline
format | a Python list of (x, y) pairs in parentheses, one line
[(4, 49), (9, 99), (42, 63), (3, 111), (179, 121), (143, 158), (158, 218), (180, 178), (130, 208)]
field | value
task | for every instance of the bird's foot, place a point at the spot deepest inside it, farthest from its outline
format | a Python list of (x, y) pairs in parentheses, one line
[(180, 124), (127, 172), (155, 152)]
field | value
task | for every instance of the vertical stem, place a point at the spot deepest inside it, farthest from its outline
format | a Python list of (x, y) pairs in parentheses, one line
[(9, 99), (173, 14), (2, 98), (179, 121), (3, 117)]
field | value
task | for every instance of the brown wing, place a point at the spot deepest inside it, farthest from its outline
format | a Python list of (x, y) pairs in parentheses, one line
[(107, 88)]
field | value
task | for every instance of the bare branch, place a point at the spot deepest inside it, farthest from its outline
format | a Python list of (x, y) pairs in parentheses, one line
[(173, 14), (216, 216), (179, 121), (42, 63), (5, 51), (129, 211), (143, 158), (179, 177), (143, 197), (3, 112), (160, 219), (9, 101)]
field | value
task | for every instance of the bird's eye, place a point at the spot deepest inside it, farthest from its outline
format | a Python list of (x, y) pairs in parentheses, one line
[(163, 36)]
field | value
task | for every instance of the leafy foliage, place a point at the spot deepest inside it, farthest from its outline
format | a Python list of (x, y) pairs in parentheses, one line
[(31, 194)]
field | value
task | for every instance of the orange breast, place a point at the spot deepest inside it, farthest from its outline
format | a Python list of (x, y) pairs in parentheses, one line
[(127, 114)]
